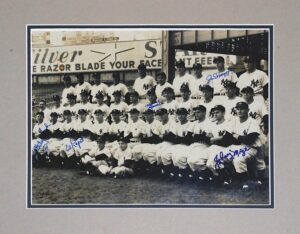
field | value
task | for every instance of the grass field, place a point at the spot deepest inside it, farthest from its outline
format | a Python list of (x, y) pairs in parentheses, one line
[(67, 186)]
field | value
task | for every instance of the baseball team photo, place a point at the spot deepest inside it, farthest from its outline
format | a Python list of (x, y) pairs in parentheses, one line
[(150, 116)]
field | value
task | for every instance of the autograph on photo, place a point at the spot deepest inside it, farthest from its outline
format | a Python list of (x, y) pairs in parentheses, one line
[(73, 144), (220, 158)]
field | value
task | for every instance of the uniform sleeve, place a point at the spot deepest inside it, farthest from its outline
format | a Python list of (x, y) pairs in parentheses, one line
[(264, 110), (254, 127), (264, 79)]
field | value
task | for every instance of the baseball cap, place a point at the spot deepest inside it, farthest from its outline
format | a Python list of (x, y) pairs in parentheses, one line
[(142, 67), (219, 108), (180, 63), (168, 90), (67, 112), (250, 58), (184, 88), (197, 66), (134, 111), (200, 108), (56, 97), (98, 111), (117, 92), (123, 139), (181, 111), (148, 111), (54, 114), (82, 111), (228, 84), (218, 59), (115, 112), (84, 92), (247, 89), (241, 105), (161, 111), (71, 96), (206, 87), (99, 95)]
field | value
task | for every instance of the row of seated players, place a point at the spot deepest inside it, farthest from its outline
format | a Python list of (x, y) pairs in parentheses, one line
[(257, 110), (204, 149)]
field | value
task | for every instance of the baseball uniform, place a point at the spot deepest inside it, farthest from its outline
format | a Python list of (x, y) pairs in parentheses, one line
[(119, 87), (218, 79), (65, 92), (84, 86), (178, 81), (159, 88), (229, 104), (103, 88), (142, 85), (122, 156)]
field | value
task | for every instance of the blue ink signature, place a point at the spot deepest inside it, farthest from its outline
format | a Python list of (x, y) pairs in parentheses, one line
[(41, 144), (46, 127), (219, 158), (74, 144), (152, 106), (217, 75)]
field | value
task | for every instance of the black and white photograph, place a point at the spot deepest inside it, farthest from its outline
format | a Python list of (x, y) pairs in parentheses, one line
[(150, 116)]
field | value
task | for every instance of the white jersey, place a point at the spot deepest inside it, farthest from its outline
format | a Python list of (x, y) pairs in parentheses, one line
[(152, 128), (247, 127), (171, 107), (104, 108), (59, 110), (188, 105), (257, 110), (65, 92), (117, 128), (86, 125), (209, 105), (159, 89), (122, 106), (89, 107), (96, 151), (256, 80), (135, 128), (196, 83), (121, 156), (200, 127), (47, 113), (229, 104), (67, 127), (139, 106), (219, 129), (120, 87), (178, 81), (73, 109), (57, 126), (85, 86), (100, 128), (39, 128), (181, 130), (170, 126), (142, 85), (218, 79), (98, 88)]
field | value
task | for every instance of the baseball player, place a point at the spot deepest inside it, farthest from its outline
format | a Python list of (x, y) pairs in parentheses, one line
[(181, 78), (39, 140), (100, 127), (162, 83), (143, 83), (69, 89), (116, 86), (100, 105), (134, 100), (134, 128), (58, 108), (44, 109), (125, 159), (153, 102), (149, 139), (71, 105), (85, 104), (98, 87), (230, 101), (217, 80), (197, 157), (82, 85), (186, 102), (170, 104), (119, 104), (199, 80), (208, 100), (256, 79), (246, 133)]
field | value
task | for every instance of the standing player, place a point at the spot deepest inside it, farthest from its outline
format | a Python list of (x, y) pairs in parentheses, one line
[(45, 109), (162, 83), (199, 81), (58, 107), (143, 83), (256, 79), (116, 86), (182, 78), (82, 85), (218, 79), (230, 101), (69, 89), (98, 87), (134, 100)]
